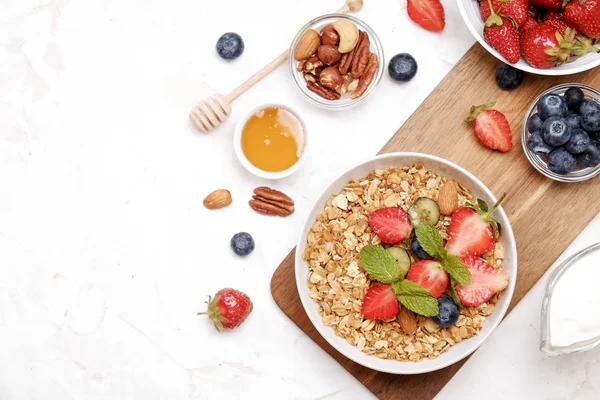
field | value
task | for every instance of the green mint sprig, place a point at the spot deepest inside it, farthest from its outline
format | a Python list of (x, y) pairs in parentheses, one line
[(379, 263), (416, 298), (432, 242)]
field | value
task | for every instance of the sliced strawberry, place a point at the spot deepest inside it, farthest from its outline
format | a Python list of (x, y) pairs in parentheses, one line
[(472, 232), (486, 281), (491, 127), (390, 224), (430, 275), (517, 10), (380, 302), (429, 14)]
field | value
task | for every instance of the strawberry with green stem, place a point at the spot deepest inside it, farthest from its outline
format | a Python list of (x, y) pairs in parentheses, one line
[(544, 47), (473, 232), (584, 15), (517, 10), (500, 33), (228, 309)]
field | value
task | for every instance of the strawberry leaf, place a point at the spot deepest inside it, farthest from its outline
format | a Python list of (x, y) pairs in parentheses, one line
[(482, 205)]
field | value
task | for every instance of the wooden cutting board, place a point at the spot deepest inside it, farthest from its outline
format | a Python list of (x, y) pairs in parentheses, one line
[(545, 215)]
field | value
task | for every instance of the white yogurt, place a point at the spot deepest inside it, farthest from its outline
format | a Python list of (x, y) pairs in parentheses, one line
[(574, 308)]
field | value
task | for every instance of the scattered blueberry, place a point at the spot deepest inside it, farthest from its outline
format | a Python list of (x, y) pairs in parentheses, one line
[(590, 157), (578, 142), (560, 161), (591, 121), (230, 45), (556, 131), (535, 123), (448, 314), (418, 250), (574, 96), (551, 105), (402, 67), (242, 244), (573, 120), (536, 144), (509, 77), (588, 105)]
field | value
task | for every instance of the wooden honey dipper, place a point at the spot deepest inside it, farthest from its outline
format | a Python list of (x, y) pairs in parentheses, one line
[(210, 112)]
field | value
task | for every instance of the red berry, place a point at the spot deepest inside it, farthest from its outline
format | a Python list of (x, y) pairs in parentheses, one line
[(529, 23), (503, 36), (584, 15), (429, 14), (491, 127), (430, 275), (557, 20), (390, 224), (547, 3), (541, 47), (380, 302), (486, 281), (228, 309), (469, 234), (517, 10)]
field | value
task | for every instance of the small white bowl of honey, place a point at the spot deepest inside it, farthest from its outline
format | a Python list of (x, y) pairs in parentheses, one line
[(270, 141)]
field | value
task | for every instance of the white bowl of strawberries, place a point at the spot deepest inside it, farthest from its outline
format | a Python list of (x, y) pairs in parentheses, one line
[(403, 267), (538, 36)]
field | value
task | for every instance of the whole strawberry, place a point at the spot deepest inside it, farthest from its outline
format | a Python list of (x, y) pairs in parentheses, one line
[(491, 127), (228, 309), (513, 9), (556, 18), (548, 4), (502, 35), (584, 15), (544, 47)]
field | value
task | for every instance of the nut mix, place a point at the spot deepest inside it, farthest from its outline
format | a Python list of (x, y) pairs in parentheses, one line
[(338, 283), (337, 61)]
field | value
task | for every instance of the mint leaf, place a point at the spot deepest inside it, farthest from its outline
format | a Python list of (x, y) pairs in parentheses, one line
[(457, 269), (380, 264), (454, 294), (416, 298), (430, 239)]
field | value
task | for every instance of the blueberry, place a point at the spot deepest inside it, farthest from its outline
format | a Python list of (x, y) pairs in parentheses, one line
[(509, 77), (590, 157), (402, 67), (230, 45), (242, 244), (591, 121), (556, 131), (573, 97), (535, 123), (536, 144), (560, 161), (587, 106), (418, 250), (448, 314), (579, 142), (551, 105), (573, 120)]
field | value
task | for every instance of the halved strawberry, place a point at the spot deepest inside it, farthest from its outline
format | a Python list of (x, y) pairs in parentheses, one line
[(380, 302), (390, 224), (429, 14), (430, 275), (491, 127), (486, 281), (471, 232)]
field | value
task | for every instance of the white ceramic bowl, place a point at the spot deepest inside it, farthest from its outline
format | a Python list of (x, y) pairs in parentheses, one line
[(456, 352), (237, 145), (469, 10)]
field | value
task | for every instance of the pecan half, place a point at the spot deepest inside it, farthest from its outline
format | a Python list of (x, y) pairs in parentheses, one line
[(362, 56), (271, 202), (367, 77), (346, 62), (323, 92)]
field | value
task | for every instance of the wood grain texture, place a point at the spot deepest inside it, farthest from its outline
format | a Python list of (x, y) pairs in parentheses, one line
[(546, 216)]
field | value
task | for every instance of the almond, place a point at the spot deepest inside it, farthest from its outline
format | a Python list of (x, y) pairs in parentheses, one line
[(218, 199), (307, 45), (407, 320), (448, 198)]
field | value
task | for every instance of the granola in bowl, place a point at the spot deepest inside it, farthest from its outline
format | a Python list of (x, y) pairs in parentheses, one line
[(352, 237)]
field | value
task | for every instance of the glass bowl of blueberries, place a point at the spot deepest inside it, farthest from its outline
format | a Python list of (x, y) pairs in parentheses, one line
[(561, 133)]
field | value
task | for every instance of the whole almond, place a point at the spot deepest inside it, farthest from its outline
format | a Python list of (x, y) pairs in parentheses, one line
[(218, 199), (448, 198), (307, 45), (407, 320)]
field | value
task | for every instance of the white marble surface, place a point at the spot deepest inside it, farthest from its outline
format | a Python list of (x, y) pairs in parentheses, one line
[(106, 252)]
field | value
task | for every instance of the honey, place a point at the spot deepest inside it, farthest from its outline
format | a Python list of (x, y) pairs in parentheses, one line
[(273, 139)]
